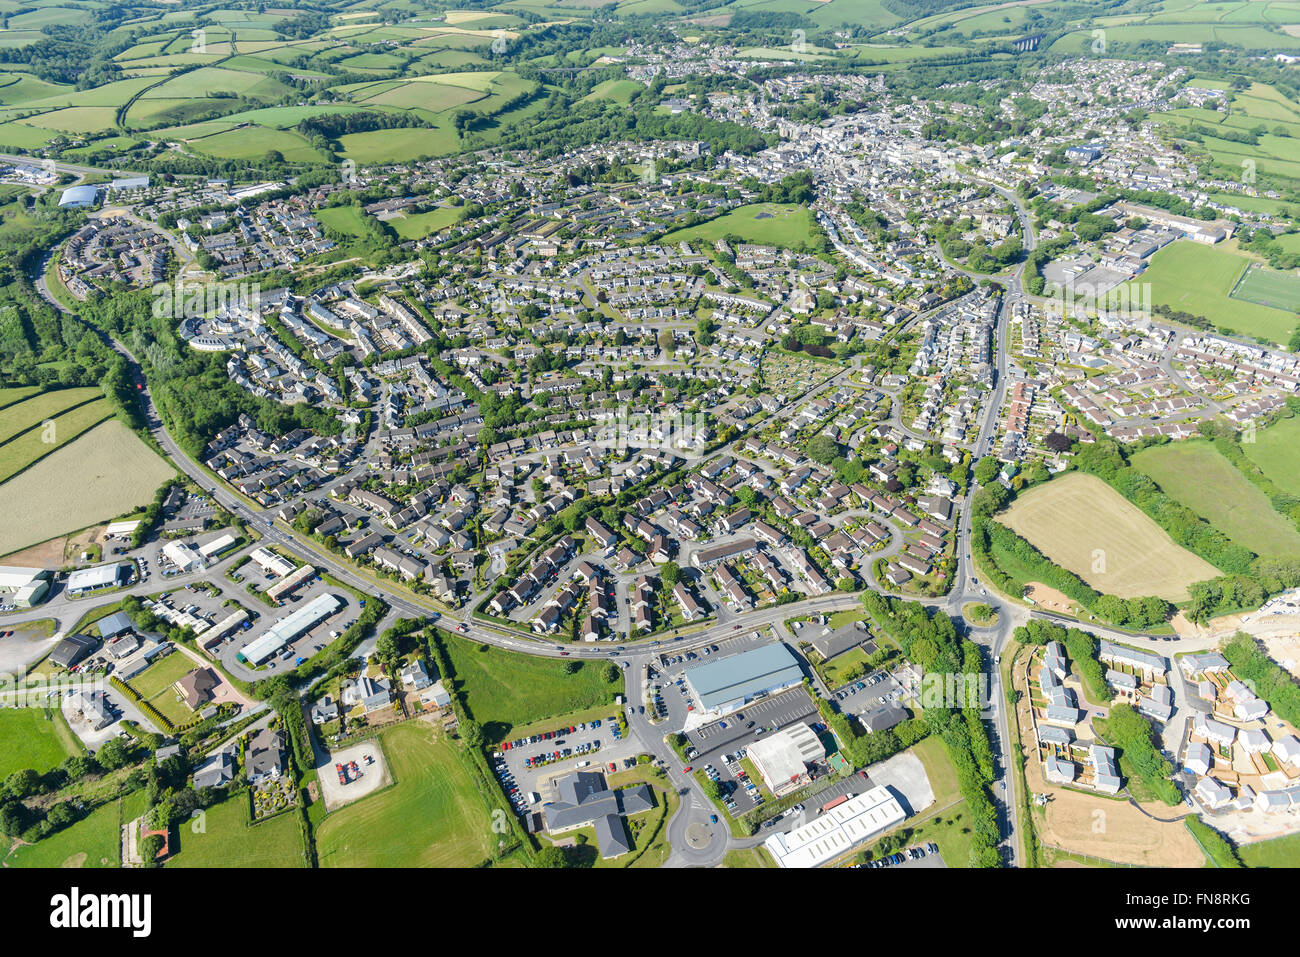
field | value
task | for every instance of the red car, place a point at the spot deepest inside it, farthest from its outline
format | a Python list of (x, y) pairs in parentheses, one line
[(556, 755), (572, 728), (687, 769), (564, 654), (612, 768)]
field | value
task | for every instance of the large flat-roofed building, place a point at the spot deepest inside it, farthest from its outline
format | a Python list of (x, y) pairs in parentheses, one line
[(294, 626), (782, 758), (729, 683), (98, 577), (837, 831), (271, 563)]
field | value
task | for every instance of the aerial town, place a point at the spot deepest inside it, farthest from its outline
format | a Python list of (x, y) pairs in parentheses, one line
[(736, 437)]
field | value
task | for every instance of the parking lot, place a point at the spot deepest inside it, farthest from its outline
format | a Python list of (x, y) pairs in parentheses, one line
[(305, 645), (718, 745), (529, 766), (869, 693)]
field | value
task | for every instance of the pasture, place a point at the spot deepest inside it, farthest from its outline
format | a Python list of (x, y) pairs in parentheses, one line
[(1081, 523), (433, 816), (94, 841), (1194, 473), (104, 473), (35, 738), (1276, 450)]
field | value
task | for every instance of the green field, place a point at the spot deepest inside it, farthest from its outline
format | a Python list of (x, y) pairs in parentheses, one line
[(34, 738), (433, 816), (344, 219), (95, 841), (1190, 277), (228, 840), (1194, 473), (511, 689), (1279, 852), (419, 225), (762, 224), (19, 417), (1276, 450), (46, 435), (254, 142)]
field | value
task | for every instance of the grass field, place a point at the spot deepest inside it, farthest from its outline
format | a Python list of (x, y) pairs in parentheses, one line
[(104, 473), (22, 415), (419, 225), (764, 224), (433, 816), (1279, 852), (1195, 474), (34, 738), (1191, 277), (1276, 450), (510, 689), (344, 219), (228, 841), (1075, 519), (21, 451), (94, 841)]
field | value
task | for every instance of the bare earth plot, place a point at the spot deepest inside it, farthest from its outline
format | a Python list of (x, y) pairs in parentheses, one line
[(106, 472), (1081, 523)]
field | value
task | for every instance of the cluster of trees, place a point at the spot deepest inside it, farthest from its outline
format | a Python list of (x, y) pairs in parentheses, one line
[(1080, 646), (331, 126), (1271, 682), (931, 641), (23, 815), (1139, 757)]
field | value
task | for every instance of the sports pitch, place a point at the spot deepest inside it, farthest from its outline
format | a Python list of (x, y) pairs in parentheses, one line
[(1268, 287), (1081, 523)]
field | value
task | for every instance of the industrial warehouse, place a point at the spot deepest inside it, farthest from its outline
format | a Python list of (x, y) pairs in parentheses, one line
[(838, 831), (290, 629), (732, 682), (28, 586)]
